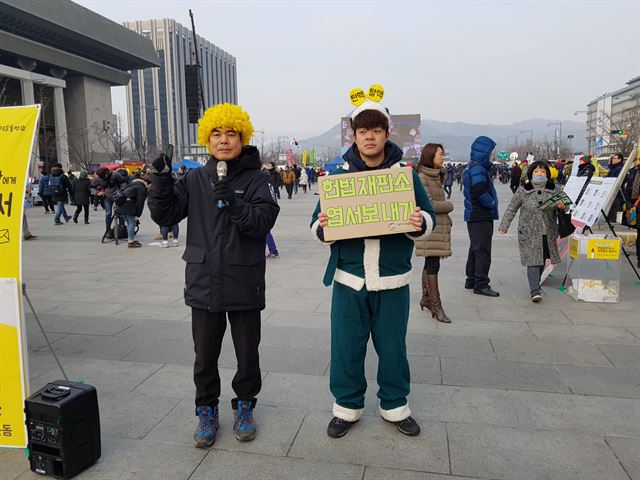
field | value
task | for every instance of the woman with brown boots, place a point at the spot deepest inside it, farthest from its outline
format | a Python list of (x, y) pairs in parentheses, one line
[(438, 244)]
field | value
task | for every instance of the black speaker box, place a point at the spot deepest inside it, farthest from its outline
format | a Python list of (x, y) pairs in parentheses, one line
[(63, 428), (192, 92)]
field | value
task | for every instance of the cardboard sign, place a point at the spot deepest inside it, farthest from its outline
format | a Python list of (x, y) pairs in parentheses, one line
[(367, 204)]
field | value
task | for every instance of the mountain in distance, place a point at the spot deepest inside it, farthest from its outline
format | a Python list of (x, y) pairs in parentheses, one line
[(458, 136)]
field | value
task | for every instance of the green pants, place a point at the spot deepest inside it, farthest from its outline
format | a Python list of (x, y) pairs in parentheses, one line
[(355, 315)]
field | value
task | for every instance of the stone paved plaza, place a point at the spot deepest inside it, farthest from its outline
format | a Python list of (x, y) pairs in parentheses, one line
[(509, 390)]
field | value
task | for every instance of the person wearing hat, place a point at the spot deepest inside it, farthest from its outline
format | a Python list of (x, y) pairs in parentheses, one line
[(229, 219), (370, 296)]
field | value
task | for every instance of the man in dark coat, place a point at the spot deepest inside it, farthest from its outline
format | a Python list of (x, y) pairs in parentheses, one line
[(82, 193), (516, 173), (229, 219), (480, 210), (60, 185)]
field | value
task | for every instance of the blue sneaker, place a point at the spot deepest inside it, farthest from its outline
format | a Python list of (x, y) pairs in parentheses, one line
[(208, 425), (244, 425)]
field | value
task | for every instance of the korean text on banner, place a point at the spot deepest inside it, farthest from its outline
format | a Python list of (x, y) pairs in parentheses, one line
[(367, 204), (17, 130)]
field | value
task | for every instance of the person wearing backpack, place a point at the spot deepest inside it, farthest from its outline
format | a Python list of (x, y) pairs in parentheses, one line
[(59, 185), (45, 192), (131, 205)]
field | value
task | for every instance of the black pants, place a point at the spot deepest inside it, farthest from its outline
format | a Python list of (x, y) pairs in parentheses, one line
[(447, 189), (479, 258), (48, 204), (432, 265), (289, 187), (208, 331), (79, 208)]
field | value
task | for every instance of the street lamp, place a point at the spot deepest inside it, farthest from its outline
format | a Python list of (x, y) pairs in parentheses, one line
[(558, 134)]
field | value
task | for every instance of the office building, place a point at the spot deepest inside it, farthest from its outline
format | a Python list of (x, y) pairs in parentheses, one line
[(156, 97), (67, 58), (617, 111)]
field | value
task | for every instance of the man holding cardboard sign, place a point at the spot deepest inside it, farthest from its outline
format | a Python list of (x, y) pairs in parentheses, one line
[(370, 267)]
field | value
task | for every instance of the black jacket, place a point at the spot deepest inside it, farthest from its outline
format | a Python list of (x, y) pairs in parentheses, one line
[(136, 194), (64, 182), (586, 170), (81, 191), (225, 247)]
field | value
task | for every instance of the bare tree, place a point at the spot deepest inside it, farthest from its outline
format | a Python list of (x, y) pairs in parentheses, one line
[(81, 147), (119, 140), (629, 121)]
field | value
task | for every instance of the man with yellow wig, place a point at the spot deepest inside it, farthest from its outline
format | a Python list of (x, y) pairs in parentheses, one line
[(229, 219)]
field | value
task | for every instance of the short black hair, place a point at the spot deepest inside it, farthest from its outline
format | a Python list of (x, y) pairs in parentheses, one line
[(370, 119), (536, 164)]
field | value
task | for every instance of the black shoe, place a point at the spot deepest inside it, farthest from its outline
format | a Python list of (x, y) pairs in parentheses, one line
[(408, 427), (468, 285), (75, 219), (338, 427), (486, 291)]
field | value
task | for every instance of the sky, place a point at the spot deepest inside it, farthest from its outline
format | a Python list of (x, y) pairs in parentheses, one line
[(472, 61)]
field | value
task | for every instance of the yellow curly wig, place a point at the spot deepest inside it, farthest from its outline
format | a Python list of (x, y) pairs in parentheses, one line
[(225, 115)]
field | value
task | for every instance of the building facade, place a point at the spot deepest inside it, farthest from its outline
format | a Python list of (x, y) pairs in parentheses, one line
[(156, 97), (67, 59), (619, 110)]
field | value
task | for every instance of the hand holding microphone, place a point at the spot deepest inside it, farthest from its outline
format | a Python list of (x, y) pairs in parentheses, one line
[(222, 191)]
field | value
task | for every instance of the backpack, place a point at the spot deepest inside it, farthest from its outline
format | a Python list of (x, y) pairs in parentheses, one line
[(57, 189)]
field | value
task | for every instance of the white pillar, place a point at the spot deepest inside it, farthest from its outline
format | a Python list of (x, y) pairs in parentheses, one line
[(62, 146), (28, 98)]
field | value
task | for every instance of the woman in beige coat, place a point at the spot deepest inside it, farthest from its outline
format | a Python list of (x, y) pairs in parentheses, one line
[(438, 244)]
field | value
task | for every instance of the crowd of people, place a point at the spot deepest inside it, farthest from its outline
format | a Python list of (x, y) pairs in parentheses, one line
[(226, 238)]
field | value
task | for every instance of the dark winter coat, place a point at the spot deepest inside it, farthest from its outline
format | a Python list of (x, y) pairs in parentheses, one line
[(615, 170), (64, 181), (516, 173), (136, 194), (225, 248), (533, 224), (438, 243), (44, 190), (450, 172), (81, 191), (480, 198), (586, 170), (113, 182), (276, 179)]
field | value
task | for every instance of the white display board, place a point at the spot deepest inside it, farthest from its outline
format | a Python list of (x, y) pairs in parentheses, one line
[(593, 200)]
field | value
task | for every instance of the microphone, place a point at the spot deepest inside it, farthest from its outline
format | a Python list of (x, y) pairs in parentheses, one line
[(221, 169)]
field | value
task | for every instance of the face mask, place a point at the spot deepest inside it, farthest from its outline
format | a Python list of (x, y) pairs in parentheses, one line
[(539, 178)]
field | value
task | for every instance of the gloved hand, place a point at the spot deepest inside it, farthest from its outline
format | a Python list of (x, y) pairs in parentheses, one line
[(224, 191), (161, 165)]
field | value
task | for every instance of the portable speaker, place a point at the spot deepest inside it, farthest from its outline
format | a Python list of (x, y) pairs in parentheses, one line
[(192, 92), (63, 428)]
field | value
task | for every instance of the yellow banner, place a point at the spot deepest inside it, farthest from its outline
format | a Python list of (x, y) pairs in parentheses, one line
[(603, 249), (17, 130)]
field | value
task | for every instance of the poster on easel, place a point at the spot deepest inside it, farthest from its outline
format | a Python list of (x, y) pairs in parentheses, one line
[(593, 201), (17, 133)]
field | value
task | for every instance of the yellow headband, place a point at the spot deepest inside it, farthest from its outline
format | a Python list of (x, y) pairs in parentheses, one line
[(225, 115)]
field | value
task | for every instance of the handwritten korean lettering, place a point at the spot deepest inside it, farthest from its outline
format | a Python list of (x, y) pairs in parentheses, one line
[(6, 203)]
